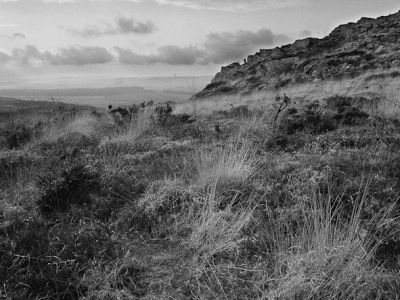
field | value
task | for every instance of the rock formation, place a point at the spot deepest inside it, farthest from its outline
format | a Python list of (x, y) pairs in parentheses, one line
[(348, 51)]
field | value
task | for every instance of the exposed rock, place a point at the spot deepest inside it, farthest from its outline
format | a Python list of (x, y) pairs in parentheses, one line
[(348, 51)]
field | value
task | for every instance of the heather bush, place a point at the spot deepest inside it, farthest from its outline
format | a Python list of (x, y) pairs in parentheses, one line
[(42, 261), (63, 188), (14, 135)]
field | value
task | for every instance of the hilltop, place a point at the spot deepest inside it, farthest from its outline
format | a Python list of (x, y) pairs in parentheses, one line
[(349, 51)]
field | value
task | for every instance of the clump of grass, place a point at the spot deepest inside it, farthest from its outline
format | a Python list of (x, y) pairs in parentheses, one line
[(232, 165), (84, 123), (328, 257), (164, 197), (216, 231), (16, 165), (123, 140), (136, 128), (162, 207), (258, 127)]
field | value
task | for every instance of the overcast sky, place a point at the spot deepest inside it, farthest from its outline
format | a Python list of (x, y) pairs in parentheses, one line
[(84, 41)]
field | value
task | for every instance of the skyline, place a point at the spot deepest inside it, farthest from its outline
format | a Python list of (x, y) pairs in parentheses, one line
[(82, 43)]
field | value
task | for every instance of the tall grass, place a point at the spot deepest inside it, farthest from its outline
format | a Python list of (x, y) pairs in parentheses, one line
[(389, 106), (83, 123), (135, 128), (258, 127), (122, 141), (233, 164), (330, 257), (216, 231)]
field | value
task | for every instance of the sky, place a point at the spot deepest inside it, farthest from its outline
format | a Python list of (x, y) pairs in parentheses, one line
[(94, 43)]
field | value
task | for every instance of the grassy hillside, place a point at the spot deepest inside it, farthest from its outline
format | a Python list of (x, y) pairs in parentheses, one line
[(242, 203)]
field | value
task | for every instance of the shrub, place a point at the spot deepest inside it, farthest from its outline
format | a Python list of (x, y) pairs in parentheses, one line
[(60, 189), (312, 119), (214, 85), (162, 114), (40, 261), (14, 135)]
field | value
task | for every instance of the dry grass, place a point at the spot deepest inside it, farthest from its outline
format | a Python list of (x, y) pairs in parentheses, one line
[(389, 106), (330, 257), (216, 231), (136, 128), (386, 89), (83, 123), (259, 126), (115, 147), (231, 165), (233, 228)]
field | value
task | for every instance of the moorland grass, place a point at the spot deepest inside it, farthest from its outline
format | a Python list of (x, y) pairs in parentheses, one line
[(96, 210)]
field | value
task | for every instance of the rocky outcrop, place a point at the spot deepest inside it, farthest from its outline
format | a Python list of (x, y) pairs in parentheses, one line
[(348, 51)]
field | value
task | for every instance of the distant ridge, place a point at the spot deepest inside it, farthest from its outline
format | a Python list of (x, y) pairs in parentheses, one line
[(349, 51)]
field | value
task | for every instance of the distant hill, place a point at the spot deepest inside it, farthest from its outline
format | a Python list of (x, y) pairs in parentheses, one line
[(98, 97), (370, 46), (10, 105), (125, 92)]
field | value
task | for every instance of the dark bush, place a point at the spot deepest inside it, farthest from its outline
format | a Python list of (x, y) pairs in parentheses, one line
[(38, 261), (184, 118), (350, 115), (214, 85), (59, 190), (225, 89), (311, 119), (336, 102), (393, 74), (282, 82), (162, 114), (15, 135)]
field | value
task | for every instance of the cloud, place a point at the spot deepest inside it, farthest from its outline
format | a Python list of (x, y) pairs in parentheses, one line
[(8, 25), (121, 26), (306, 33), (126, 25), (14, 36), (171, 55), (128, 57), (19, 35), (174, 55), (218, 48), (226, 46), (232, 5), (4, 58), (30, 55), (223, 5), (79, 56)]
